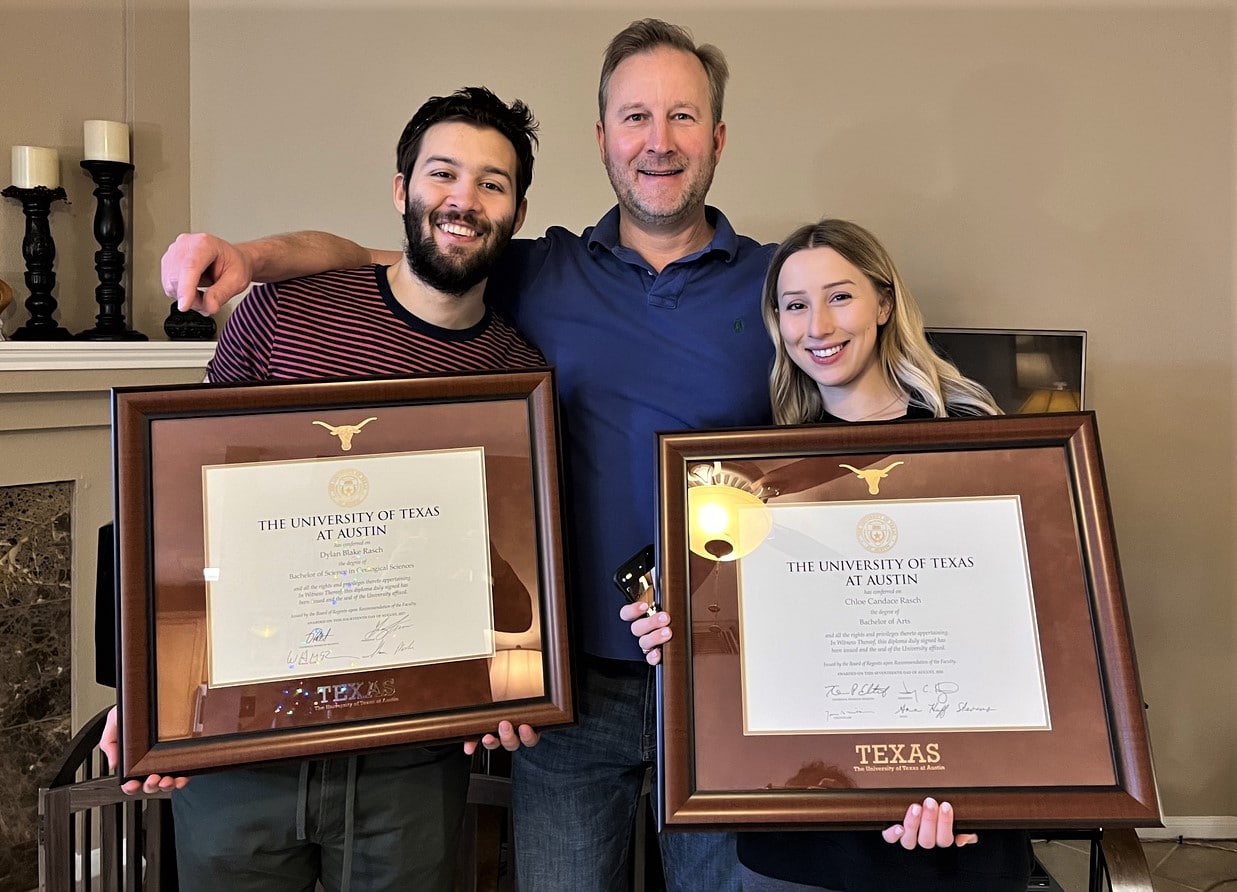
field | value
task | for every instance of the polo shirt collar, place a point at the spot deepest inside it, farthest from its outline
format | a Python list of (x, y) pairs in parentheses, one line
[(725, 241)]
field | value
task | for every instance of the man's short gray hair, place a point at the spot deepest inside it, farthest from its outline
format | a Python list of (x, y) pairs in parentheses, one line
[(647, 35)]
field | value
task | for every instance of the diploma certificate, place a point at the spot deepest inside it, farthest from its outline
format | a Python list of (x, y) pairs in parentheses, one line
[(314, 569), (383, 561), (868, 614), (891, 616)]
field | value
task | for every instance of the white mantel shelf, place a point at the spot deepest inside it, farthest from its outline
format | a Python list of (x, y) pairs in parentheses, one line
[(31, 356)]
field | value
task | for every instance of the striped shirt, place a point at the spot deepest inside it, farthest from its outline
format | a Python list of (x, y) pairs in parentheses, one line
[(348, 323)]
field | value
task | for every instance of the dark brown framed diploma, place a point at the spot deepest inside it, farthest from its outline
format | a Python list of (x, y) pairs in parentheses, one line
[(868, 614), (336, 566)]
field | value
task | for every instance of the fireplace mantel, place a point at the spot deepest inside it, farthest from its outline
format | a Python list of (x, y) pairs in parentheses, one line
[(28, 356)]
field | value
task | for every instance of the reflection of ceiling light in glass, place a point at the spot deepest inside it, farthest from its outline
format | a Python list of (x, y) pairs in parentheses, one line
[(726, 520), (716, 472)]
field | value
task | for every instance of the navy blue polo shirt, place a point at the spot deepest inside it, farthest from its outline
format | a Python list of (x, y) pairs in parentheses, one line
[(636, 352)]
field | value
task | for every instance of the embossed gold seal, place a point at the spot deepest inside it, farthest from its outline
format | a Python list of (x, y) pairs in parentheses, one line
[(348, 487), (876, 532)]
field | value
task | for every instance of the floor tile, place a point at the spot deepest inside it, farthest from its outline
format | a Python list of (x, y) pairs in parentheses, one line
[(1199, 865), (1188, 866), (1078, 845), (1067, 865), (1159, 884), (1158, 851)]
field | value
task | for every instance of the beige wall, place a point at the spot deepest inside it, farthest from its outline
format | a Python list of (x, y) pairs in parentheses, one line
[(71, 60), (1069, 165)]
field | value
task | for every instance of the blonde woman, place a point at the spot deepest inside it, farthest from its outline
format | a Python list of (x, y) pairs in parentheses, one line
[(849, 345)]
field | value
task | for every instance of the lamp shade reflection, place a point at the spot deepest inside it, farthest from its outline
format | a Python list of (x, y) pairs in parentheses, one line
[(725, 523), (516, 674), (1058, 398)]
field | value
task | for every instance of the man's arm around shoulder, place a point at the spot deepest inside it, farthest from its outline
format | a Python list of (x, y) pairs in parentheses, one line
[(224, 270)]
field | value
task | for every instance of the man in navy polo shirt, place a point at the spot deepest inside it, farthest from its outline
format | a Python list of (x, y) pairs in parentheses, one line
[(652, 318)]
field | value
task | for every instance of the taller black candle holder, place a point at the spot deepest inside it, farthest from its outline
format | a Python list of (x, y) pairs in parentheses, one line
[(109, 260), (39, 251)]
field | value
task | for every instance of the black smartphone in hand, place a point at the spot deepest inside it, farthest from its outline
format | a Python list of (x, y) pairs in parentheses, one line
[(634, 578)]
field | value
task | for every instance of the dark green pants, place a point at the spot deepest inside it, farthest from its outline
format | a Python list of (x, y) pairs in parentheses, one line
[(238, 830)]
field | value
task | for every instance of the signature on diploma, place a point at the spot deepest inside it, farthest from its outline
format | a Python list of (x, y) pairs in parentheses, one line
[(847, 714), (968, 706), (316, 635), (382, 632), (931, 692), (312, 649), (936, 698), (386, 626), (858, 691), (302, 657)]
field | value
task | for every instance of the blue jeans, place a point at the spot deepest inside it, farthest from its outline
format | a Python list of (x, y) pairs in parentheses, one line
[(575, 795)]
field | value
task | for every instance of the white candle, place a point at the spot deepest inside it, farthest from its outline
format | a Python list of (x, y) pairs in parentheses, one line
[(106, 141), (35, 166)]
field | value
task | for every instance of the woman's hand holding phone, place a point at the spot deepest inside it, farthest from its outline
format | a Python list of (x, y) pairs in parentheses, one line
[(652, 631)]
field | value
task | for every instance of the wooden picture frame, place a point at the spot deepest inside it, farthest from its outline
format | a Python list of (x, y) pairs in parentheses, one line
[(351, 512), (1083, 760)]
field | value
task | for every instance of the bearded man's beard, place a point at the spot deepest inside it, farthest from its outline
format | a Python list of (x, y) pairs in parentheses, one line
[(448, 271)]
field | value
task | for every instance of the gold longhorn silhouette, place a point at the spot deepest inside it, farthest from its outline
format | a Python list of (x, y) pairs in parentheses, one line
[(346, 432), (872, 476)]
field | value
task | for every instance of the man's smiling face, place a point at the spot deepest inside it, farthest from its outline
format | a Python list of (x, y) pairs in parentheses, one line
[(658, 140), (459, 205)]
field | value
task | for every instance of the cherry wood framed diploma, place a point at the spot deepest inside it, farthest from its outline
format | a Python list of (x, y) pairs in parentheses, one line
[(867, 614), (336, 566)]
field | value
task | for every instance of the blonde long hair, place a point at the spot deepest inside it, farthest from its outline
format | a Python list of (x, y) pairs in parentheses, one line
[(906, 359)]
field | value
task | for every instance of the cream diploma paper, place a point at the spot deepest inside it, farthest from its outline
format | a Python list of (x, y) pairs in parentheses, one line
[(891, 616), (321, 566)]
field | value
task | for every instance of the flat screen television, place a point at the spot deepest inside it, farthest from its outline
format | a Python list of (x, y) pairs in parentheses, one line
[(1025, 370)]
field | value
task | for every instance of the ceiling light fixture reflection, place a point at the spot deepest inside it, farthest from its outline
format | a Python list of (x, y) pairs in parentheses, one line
[(726, 519)]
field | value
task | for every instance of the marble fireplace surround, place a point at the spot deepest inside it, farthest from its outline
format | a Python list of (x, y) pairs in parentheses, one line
[(56, 476)]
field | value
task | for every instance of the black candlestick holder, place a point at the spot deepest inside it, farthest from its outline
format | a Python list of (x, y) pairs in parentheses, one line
[(188, 326), (39, 251), (109, 260)]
